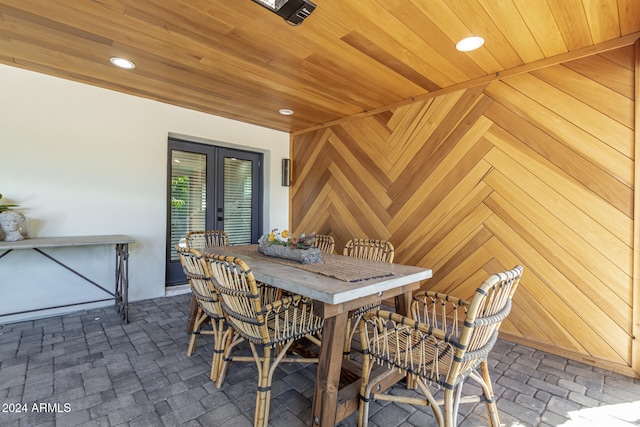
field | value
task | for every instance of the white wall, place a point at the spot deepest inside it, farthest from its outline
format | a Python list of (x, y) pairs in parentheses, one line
[(81, 160)]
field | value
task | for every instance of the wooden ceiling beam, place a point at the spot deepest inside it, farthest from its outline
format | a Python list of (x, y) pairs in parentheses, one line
[(543, 63)]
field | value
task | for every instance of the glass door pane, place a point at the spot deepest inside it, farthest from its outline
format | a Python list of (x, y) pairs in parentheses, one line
[(237, 200), (188, 196)]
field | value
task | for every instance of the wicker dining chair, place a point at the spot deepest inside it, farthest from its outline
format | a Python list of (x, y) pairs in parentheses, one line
[(369, 249), (208, 305), (206, 239), (202, 240), (325, 243), (435, 348), (272, 326)]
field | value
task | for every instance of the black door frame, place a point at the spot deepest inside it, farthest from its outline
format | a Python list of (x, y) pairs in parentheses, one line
[(215, 179)]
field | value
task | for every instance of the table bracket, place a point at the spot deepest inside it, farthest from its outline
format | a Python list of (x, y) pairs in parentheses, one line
[(60, 263)]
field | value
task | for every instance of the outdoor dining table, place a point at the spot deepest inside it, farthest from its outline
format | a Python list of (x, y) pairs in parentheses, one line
[(337, 285)]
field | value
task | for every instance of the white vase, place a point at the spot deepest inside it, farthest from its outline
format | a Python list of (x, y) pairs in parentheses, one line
[(11, 222), (25, 230)]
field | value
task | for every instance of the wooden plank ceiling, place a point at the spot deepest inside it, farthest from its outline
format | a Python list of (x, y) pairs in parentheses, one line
[(238, 60)]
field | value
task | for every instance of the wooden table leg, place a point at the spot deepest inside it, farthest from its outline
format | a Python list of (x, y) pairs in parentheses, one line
[(193, 310), (325, 397), (403, 303)]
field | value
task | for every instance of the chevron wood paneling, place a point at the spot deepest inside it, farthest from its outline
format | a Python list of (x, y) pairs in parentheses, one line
[(535, 169)]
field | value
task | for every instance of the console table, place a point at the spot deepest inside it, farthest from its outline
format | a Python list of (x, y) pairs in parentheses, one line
[(121, 293)]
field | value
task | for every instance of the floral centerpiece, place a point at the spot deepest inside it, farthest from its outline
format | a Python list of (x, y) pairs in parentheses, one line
[(290, 246)]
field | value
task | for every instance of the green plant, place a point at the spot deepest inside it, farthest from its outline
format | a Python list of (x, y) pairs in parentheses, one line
[(179, 191), (6, 207)]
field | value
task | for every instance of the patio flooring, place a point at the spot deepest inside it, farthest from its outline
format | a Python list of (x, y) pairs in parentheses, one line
[(90, 369)]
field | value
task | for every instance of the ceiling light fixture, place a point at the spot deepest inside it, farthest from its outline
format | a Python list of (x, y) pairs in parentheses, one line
[(292, 11), (122, 63), (286, 112), (470, 43)]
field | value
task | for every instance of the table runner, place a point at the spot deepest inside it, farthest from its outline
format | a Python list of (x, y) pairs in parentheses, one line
[(328, 267)]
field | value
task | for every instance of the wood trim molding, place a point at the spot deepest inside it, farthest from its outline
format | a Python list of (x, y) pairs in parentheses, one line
[(289, 192), (635, 329), (554, 60)]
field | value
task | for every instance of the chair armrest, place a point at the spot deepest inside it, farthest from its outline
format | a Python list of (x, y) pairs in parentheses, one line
[(423, 328), (275, 305), (439, 296)]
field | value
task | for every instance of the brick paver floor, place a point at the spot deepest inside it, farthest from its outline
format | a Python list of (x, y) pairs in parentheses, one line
[(90, 369)]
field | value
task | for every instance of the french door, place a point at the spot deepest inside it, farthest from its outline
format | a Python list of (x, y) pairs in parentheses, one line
[(211, 188)]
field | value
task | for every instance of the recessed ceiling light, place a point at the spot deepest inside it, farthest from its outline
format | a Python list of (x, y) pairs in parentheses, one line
[(470, 43), (122, 63), (286, 112)]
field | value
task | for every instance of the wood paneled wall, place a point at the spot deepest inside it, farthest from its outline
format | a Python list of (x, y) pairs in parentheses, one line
[(535, 169)]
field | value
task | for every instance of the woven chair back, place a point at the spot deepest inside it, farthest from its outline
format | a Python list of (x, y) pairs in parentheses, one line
[(325, 243), (207, 239), (370, 249), (245, 303), (490, 305), (196, 271), (464, 345), (235, 283)]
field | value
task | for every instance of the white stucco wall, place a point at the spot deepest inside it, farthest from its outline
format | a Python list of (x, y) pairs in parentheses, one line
[(81, 160)]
